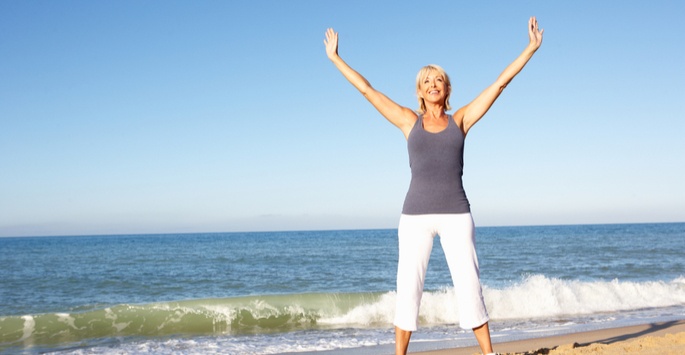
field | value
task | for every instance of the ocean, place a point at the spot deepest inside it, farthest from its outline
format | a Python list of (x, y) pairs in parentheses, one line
[(323, 292)]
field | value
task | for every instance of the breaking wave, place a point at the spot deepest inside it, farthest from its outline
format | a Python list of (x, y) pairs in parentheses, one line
[(535, 296)]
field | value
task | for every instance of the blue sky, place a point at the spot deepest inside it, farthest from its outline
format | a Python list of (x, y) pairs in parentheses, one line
[(155, 117)]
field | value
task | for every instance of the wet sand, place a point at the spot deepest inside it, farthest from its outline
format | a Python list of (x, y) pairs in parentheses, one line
[(654, 338)]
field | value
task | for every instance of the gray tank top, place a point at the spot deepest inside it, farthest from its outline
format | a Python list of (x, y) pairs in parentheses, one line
[(436, 161)]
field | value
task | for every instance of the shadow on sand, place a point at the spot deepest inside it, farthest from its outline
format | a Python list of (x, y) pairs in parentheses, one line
[(651, 329)]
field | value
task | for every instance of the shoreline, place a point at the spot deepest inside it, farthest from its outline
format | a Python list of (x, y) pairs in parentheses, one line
[(583, 340)]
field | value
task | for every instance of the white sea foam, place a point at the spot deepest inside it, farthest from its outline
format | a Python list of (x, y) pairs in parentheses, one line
[(256, 345), (113, 317), (536, 296), (380, 311), (539, 296), (29, 327), (67, 319)]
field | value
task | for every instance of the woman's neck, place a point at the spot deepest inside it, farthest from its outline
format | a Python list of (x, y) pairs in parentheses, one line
[(435, 112)]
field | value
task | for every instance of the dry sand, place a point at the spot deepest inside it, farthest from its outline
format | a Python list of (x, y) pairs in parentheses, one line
[(655, 338)]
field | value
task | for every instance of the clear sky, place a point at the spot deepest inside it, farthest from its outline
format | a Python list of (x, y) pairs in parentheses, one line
[(209, 116)]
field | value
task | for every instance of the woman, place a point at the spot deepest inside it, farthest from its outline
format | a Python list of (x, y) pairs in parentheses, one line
[(436, 203)]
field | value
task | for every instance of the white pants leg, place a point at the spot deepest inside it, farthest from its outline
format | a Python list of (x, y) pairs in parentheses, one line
[(458, 240), (415, 235), (415, 244)]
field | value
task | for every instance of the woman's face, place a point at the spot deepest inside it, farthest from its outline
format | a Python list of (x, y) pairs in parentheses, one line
[(432, 88)]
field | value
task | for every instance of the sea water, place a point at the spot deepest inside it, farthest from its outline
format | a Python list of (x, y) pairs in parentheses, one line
[(323, 291)]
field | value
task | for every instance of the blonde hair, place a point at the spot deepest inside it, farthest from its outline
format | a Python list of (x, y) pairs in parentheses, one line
[(423, 73)]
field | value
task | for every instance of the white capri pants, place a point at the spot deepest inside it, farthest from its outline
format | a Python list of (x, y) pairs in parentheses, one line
[(457, 237)]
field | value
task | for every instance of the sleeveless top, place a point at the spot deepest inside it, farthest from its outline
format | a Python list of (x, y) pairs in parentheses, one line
[(436, 161)]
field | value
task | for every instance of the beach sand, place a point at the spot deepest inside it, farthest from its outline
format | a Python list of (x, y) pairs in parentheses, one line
[(655, 338)]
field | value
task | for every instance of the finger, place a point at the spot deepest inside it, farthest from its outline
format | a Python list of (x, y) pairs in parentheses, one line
[(331, 35), (531, 25), (534, 26)]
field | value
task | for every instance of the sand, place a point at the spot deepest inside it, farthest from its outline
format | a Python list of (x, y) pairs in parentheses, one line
[(655, 338)]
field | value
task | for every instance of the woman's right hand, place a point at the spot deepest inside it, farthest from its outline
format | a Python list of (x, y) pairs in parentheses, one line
[(401, 117), (331, 43)]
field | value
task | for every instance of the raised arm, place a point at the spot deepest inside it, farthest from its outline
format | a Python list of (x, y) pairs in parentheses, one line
[(400, 116), (468, 115)]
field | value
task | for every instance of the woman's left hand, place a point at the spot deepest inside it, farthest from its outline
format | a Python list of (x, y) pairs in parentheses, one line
[(534, 33)]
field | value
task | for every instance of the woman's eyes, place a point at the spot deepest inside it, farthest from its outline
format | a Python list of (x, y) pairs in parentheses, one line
[(437, 79)]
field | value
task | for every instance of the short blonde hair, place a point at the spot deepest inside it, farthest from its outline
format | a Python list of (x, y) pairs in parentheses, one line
[(423, 73)]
